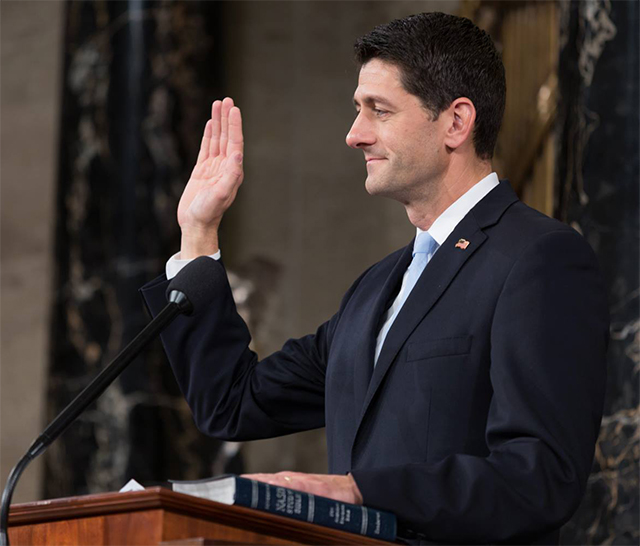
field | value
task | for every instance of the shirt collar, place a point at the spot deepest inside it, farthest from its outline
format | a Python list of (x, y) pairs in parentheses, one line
[(451, 217)]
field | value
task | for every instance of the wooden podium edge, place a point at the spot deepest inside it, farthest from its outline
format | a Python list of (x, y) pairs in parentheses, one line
[(159, 498)]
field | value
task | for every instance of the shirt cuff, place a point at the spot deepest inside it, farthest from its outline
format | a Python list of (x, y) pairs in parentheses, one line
[(175, 264)]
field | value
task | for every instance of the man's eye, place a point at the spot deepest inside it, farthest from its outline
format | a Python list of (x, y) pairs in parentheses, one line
[(379, 112)]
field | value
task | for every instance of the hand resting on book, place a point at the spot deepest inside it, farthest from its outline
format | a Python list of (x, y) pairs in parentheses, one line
[(341, 488)]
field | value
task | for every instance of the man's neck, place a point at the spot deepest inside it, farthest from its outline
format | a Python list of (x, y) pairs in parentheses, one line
[(423, 212)]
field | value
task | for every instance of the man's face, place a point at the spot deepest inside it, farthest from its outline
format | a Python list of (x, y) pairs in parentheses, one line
[(403, 148)]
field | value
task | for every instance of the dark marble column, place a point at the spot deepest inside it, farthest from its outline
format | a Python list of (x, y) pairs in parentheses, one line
[(598, 195), (139, 78)]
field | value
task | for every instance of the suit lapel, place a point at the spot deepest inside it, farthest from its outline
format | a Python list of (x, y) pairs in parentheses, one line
[(364, 359), (435, 279)]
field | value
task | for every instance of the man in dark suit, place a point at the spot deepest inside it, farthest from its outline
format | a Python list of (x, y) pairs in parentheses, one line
[(461, 382)]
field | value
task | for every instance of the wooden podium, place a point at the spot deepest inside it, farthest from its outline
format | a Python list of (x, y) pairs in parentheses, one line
[(160, 516)]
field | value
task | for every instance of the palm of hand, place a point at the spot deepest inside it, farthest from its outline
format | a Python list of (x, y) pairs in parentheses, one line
[(206, 197)]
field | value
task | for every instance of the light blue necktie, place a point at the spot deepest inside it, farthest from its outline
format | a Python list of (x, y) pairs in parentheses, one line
[(424, 248)]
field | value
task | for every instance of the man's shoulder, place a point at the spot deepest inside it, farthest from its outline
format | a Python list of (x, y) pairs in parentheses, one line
[(526, 223), (522, 227)]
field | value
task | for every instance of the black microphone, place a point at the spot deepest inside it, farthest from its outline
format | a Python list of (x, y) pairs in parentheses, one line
[(189, 292), (201, 280)]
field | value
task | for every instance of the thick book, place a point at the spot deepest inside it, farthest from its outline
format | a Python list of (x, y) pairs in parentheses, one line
[(290, 503)]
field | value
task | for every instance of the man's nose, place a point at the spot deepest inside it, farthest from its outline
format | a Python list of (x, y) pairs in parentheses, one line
[(360, 134)]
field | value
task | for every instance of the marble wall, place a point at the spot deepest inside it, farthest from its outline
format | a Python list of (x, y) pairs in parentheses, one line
[(598, 195), (137, 80)]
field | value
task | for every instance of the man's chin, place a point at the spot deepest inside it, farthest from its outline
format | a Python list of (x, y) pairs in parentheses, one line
[(385, 189), (376, 187)]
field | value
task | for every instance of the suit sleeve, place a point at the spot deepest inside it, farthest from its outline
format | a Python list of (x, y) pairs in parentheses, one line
[(548, 344), (232, 395)]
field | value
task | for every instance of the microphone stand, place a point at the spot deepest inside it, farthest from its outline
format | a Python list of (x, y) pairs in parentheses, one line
[(178, 303)]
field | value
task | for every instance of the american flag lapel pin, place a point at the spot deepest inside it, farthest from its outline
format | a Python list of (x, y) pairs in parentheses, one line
[(462, 244)]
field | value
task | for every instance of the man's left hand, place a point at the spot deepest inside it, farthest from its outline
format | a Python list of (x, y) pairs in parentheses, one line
[(341, 488)]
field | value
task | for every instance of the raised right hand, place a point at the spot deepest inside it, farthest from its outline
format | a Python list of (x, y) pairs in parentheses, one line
[(214, 181)]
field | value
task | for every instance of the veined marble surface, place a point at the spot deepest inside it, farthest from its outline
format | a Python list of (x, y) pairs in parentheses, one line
[(137, 82), (598, 195)]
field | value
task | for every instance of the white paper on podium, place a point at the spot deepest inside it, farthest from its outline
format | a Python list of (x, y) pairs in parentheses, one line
[(131, 485)]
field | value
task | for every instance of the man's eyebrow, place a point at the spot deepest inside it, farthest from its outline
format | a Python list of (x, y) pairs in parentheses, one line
[(372, 99)]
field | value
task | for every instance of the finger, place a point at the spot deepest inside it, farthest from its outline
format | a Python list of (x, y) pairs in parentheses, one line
[(214, 144), (235, 145), (227, 104), (206, 141), (264, 478)]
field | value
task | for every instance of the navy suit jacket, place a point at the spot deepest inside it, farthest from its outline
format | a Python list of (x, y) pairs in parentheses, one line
[(479, 421)]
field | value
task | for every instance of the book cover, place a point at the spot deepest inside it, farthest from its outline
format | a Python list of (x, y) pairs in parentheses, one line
[(293, 504)]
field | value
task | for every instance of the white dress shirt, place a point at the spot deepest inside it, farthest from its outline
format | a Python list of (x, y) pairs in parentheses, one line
[(175, 264)]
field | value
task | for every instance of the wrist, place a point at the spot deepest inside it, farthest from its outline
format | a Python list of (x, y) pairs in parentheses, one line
[(195, 243)]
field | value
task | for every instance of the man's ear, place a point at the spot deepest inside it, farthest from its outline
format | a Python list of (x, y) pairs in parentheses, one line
[(462, 119)]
